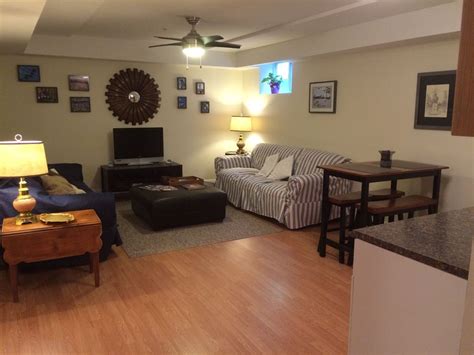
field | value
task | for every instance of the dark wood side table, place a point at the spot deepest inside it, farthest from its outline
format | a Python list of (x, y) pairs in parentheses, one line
[(38, 241), (369, 172)]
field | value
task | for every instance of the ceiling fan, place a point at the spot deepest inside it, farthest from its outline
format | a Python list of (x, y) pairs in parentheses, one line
[(194, 45)]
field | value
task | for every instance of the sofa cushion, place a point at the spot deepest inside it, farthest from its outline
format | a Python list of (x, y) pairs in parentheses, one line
[(57, 185), (263, 150), (309, 159), (270, 163), (283, 170)]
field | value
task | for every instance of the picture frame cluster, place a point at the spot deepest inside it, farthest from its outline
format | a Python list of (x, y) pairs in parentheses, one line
[(49, 94), (199, 89)]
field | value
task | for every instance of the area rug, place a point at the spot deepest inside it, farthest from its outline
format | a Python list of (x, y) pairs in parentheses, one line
[(139, 239)]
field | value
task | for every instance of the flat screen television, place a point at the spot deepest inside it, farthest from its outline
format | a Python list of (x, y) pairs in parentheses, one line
[(136, 146)]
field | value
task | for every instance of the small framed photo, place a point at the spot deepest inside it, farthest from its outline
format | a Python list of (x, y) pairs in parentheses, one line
[(435, 100), (46, 94), (78, 82), (205, 107), (181, 83), (200, 88), (182, 102), (29, 73), (80, 104), (322, 97)]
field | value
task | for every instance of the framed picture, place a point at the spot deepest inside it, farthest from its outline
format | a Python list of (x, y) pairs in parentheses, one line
[(181, 83), (80, 104), (322, 97), (182, 102), (200, 88), (435, 100), (78, 82), (46, 94), (205, 107), (29, 73)]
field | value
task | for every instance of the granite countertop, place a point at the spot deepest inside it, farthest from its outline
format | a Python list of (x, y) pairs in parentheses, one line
[(440, 240)]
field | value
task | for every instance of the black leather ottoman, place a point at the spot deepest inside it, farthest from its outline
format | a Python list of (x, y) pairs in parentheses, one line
[(164, 209)]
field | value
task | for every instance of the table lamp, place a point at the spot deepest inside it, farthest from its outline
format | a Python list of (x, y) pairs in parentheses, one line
[(19, 159), (241, 124)]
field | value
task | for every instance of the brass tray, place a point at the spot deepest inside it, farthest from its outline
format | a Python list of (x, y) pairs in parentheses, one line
[(56, 217)]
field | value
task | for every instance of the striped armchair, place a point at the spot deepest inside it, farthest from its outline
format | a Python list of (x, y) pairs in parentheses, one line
[(295, 202)]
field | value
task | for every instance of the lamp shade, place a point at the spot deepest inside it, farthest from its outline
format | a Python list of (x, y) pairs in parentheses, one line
[(241, 123), (22, 158)]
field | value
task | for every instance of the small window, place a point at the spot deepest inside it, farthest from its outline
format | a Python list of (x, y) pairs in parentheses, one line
[(284, 69)]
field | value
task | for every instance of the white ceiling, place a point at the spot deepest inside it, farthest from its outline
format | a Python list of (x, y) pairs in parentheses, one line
[(133, 23), (253, 23)]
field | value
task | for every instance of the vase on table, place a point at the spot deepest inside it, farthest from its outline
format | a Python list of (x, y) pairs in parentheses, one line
[(386, 158)]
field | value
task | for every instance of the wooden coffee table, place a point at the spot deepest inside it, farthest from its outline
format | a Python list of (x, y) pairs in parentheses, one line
[(38, 242)]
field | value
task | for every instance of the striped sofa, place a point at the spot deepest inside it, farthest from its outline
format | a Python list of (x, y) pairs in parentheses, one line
[(296, 202)]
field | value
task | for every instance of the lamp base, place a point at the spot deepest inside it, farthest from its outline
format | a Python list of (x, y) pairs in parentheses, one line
[(241, 145), (25, 218), (24, 204)]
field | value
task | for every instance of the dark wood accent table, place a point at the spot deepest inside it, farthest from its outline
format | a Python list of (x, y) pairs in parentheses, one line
[(369, 172), (38, 241)]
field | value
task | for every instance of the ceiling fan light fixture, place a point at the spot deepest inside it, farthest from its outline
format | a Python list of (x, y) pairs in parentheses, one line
[(193, 51)]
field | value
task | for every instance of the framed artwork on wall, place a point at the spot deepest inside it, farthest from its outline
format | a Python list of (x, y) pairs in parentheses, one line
[(181, 83), (29, 73), (182, 102), (80, 104), (78, 82), (435, 100), (205, 107), (47, 95), (200, 88), (322, 96)]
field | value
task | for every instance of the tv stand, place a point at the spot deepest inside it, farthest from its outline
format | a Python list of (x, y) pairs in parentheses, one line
[(120, 178), (140, 163)]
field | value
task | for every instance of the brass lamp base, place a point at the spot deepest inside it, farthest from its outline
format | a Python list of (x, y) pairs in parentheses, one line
[(24, 204), (241, 145), (25, 218)]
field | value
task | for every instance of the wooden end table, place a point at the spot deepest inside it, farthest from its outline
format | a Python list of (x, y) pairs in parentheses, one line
[(38, 242)]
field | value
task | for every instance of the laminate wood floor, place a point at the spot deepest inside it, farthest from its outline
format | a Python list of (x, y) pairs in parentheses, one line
[(257, 295)]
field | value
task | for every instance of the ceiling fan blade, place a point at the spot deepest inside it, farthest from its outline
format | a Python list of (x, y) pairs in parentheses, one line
[(165, 45), (170, 38), (222, 45), (208, 39)]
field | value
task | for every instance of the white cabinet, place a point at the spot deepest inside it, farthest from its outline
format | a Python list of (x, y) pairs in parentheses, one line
[(402, 306)]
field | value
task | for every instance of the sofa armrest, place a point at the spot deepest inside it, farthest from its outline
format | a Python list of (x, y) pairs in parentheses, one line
[(309, 188), (232, 161)]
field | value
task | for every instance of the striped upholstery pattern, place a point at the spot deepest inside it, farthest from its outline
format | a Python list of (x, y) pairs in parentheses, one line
[(305, 195), (264, 150), (297, 202), (309, 159), (231, 161)]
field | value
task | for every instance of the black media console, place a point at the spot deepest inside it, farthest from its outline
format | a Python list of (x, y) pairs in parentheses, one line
[(120, 178)]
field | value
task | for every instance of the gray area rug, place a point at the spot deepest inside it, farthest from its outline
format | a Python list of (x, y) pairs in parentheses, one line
[(139, 239)]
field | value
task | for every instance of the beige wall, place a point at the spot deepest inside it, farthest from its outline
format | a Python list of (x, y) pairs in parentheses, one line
[(191, 138), (375, 110)]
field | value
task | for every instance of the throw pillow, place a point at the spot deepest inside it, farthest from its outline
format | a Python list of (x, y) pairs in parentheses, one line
[(283, 169), (55, 184), (270, 163)]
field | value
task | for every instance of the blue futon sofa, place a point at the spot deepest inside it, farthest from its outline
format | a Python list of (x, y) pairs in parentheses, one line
[(102, 203)]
